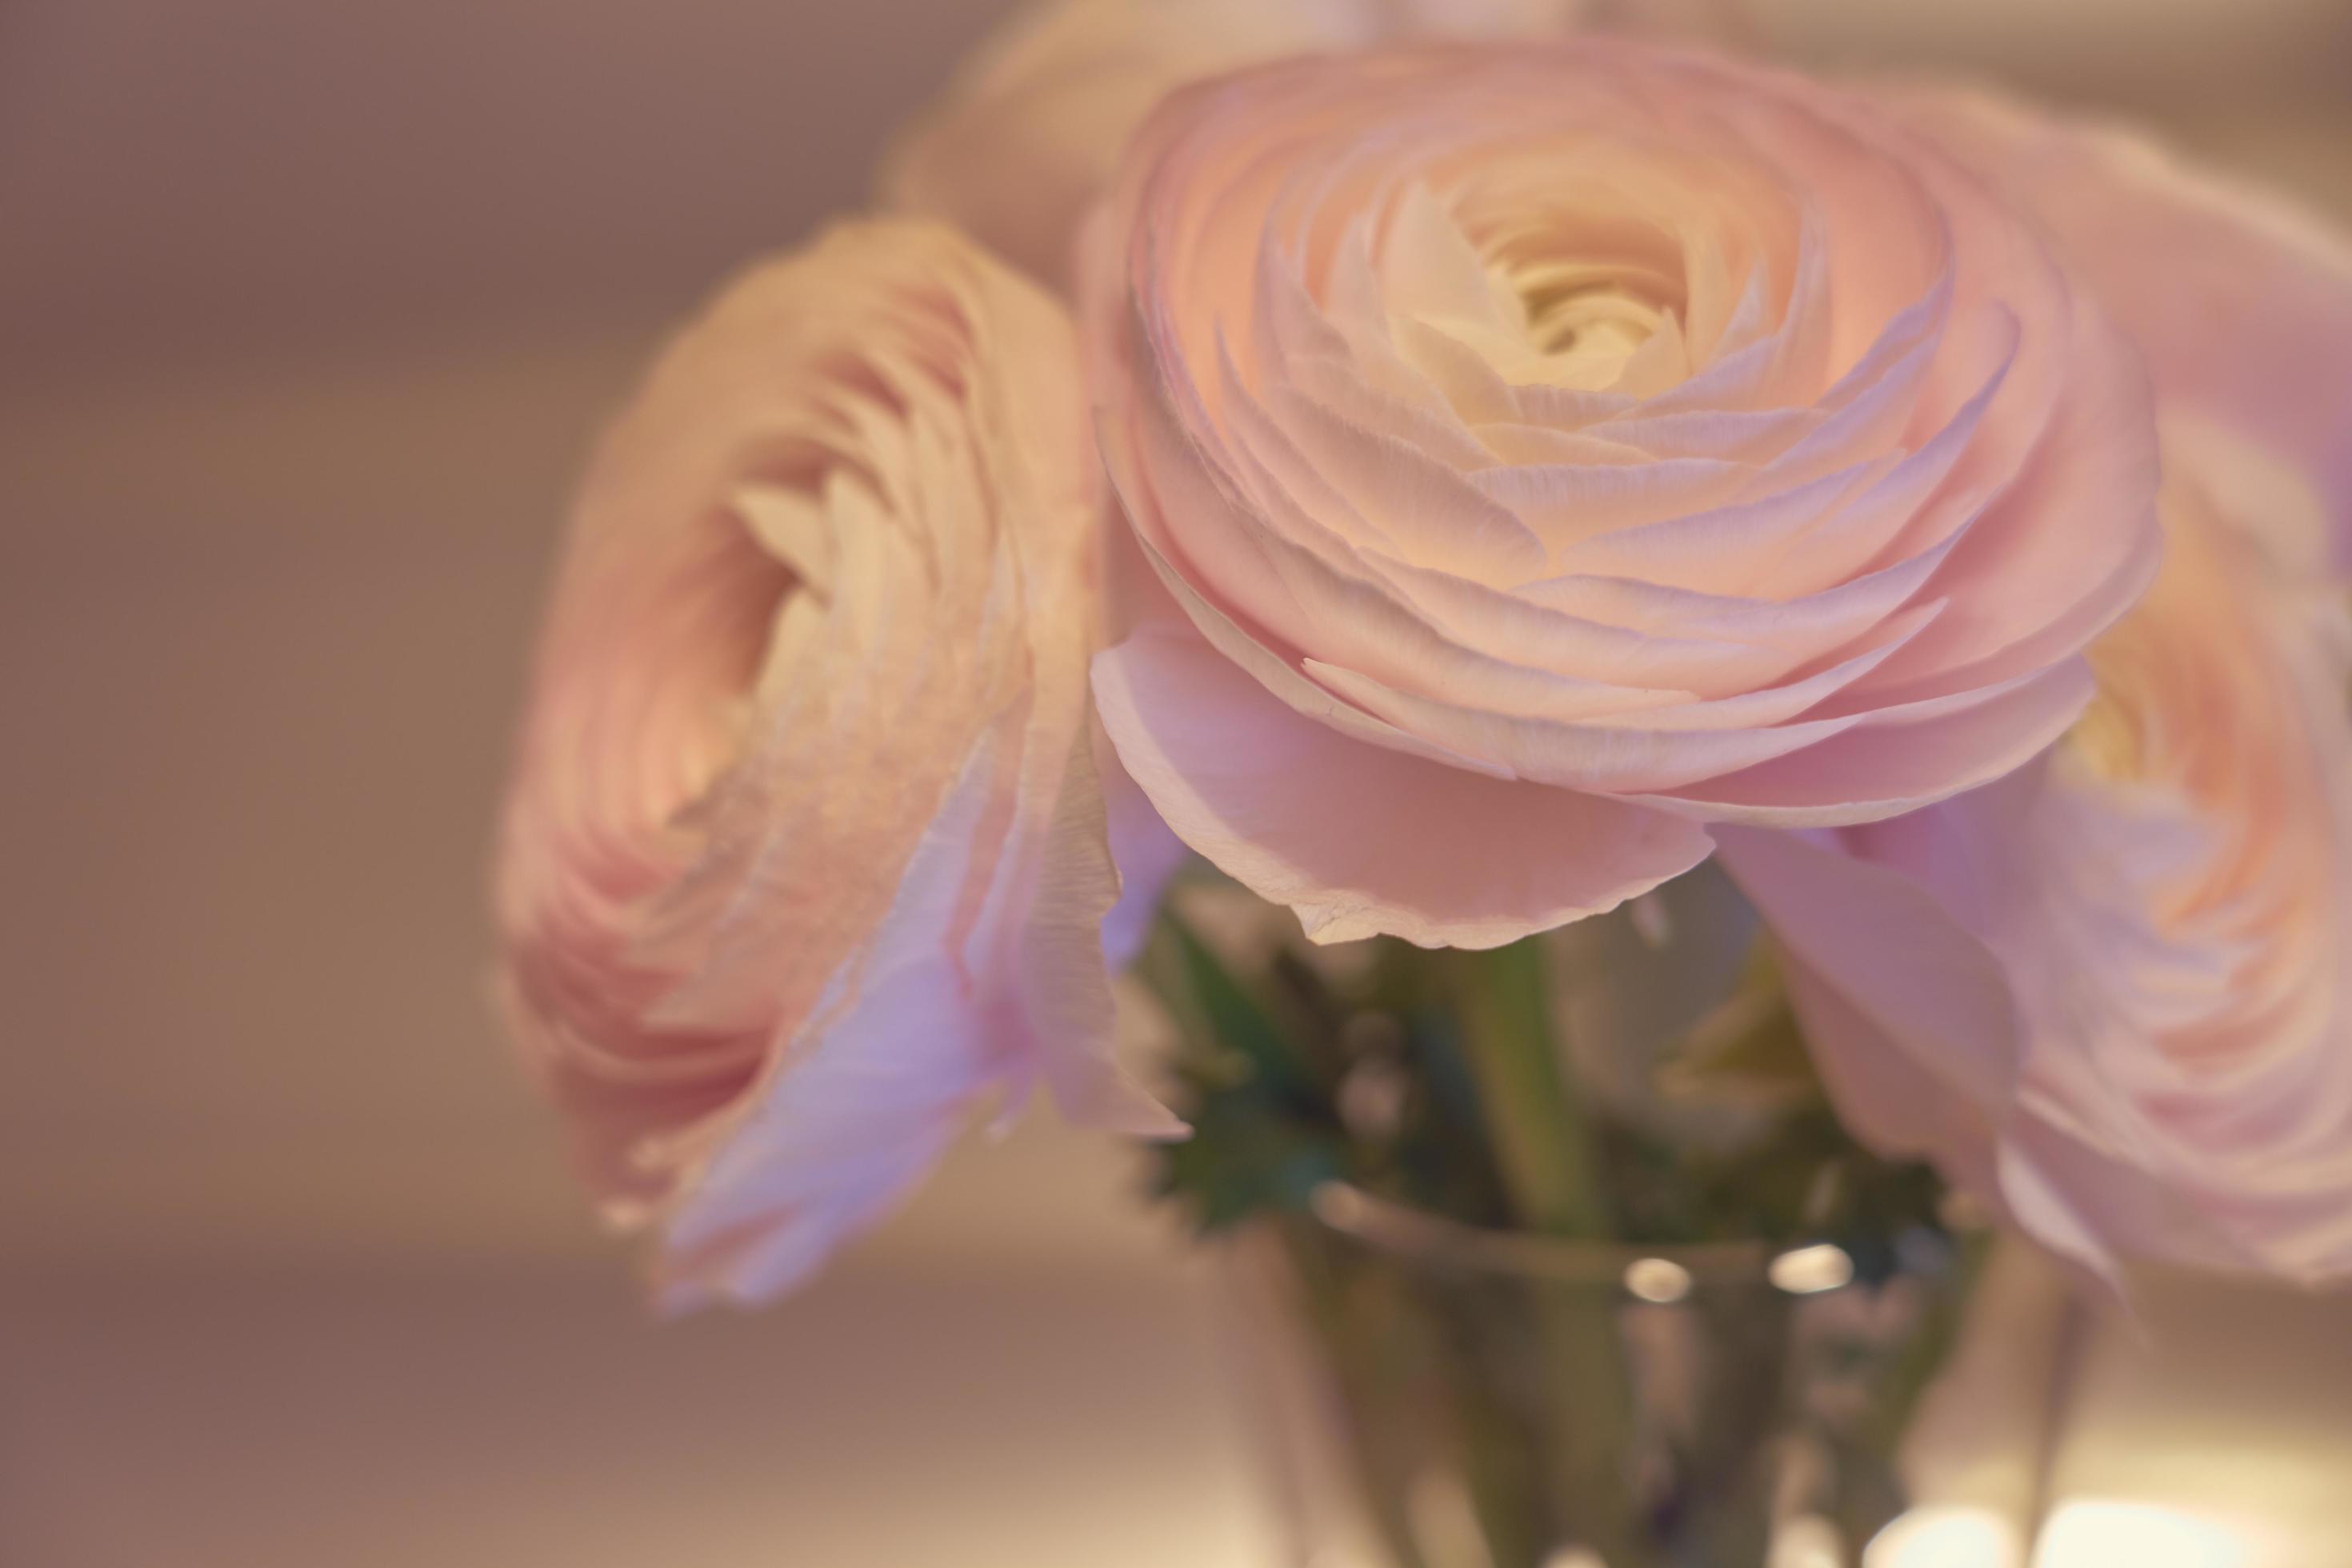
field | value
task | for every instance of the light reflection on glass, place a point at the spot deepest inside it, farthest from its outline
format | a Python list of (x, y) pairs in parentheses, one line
[(2090, 1534), (1657, 1279), (1810, 1270), (1946, 1536)]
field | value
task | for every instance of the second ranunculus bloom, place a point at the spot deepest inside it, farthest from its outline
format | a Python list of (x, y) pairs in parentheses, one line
[(1544, 455), (2112, 993), (804, 859)]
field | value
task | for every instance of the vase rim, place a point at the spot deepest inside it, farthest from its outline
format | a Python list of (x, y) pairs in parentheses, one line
[(1801, 1267)]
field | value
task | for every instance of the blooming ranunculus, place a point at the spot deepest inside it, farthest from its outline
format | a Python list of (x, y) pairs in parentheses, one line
[(803, 853), (1550, 452), (2113, 992), (1030, 133)]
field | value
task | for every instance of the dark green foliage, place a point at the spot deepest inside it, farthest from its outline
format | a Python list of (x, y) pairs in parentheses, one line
[(1413, 1075)]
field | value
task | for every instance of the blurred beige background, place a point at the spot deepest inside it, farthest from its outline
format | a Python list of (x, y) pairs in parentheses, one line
[(305, 314)]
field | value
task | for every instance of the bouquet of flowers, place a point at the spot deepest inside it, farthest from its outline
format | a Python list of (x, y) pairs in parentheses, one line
[(1665, 670)]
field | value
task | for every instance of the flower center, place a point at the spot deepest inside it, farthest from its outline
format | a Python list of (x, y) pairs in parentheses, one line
[(1594, 314), (1574, 308)]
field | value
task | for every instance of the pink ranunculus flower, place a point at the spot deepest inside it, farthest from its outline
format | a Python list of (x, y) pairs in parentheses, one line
[(1029, 134), (2113, 992), (803, 854), (1550, 452)]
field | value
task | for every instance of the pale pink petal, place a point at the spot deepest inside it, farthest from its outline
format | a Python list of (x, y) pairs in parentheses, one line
[(1910, 975), (1941, 747), (1145, 849), (1359, 840), (849, 1117), (2241, 303), (1063, 988)]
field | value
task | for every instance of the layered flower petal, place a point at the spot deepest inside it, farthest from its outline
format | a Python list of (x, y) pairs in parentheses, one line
[(2240, 301), (2165, 901), (2153, 1057), (804, 853), (1360, 839), (1635, 433)]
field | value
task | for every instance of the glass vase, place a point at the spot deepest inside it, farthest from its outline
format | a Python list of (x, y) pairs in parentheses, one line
[(1435, 1395)]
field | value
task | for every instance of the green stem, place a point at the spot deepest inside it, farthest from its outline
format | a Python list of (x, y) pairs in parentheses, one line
[(1543, 1145), (1550, 1163)]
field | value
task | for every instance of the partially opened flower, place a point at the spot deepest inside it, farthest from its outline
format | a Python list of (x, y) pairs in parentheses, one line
[(1549, 452), (1030, 133), (2115, 992), (803, 855)]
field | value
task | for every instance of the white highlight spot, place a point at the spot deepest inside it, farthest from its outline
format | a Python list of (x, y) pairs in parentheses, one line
[(1810, 1270), (2110, 1534), (1657, 1279), (1946, 1536)]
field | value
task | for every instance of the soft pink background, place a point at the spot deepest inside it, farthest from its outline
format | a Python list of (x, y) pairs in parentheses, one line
[(305, 313)]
